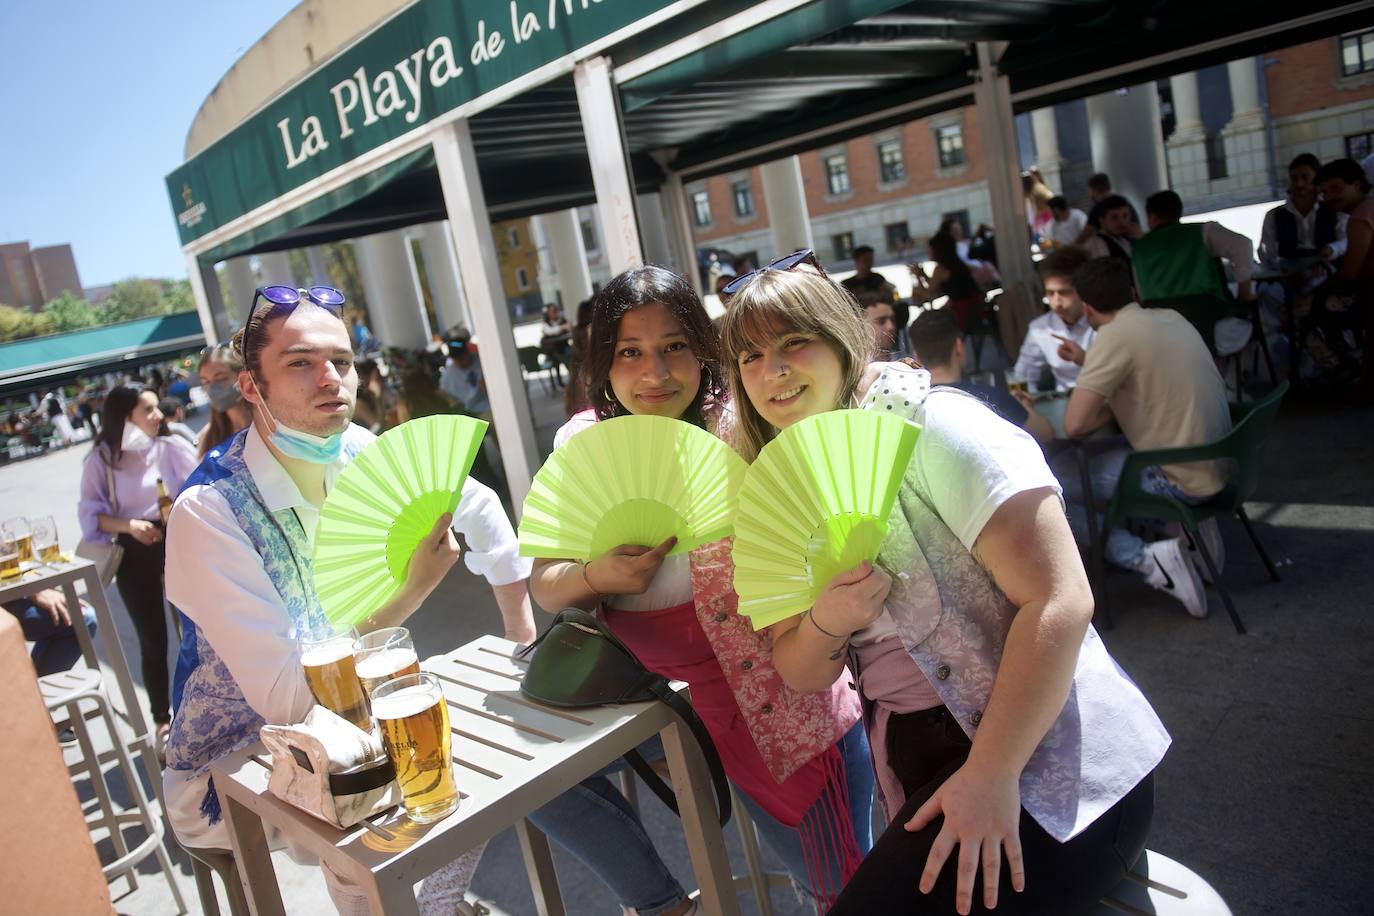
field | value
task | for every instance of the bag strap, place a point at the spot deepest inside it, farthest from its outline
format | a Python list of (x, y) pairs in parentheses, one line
[(109, 481), (664, 691)]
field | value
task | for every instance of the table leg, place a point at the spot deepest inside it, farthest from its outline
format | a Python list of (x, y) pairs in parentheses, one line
[(114, 654), (254, 858), (394, 898), (696, 803), (534, 847)]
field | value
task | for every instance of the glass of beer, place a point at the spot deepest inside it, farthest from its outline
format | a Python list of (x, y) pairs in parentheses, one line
[(17, 530), (327, 657), (9, 556), (384, 654), (413, 718), (45, 539)]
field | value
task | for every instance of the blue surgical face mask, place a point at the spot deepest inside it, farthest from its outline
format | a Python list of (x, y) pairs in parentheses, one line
[(303, 446)]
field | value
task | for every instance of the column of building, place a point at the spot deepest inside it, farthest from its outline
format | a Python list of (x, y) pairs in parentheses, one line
[(1244, 137), (395, 311), (1124, 131), (1187, 146)]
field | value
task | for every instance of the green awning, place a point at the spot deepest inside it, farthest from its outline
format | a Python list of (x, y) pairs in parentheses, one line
[(34, 360), (322, 206)]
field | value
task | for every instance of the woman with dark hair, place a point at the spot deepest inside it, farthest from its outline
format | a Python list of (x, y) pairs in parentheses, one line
[(1343, 302), (951, 278), (119, 493), (798, 761), (575, 395)]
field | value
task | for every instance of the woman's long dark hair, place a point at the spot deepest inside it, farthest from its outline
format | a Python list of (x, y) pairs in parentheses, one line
[(945, 252), (119, 403), (636, 287)]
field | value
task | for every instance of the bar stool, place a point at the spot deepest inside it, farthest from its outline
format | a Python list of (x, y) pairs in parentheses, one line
[(64, 693), (205, 864)]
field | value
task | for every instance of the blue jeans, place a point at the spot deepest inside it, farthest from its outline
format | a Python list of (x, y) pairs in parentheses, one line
[(1105, 459), (54, 644), (595, 823)]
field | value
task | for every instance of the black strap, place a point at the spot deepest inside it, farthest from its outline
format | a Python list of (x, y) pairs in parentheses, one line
[(674, 701), (374, 777)]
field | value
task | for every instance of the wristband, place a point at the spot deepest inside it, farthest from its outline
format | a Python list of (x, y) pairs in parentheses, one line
[(824, 631)]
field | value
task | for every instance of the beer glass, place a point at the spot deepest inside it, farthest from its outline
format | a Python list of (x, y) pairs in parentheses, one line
[(327, 657), (9, 556), (45, 539), (17, 530), (414, 724), (384, 654)]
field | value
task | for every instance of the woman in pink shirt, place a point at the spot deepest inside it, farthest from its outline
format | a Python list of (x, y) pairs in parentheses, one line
[(1343, 302), (119, 503)]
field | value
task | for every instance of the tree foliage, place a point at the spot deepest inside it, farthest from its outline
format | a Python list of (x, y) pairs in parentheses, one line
[(68, 313), (128, 300)]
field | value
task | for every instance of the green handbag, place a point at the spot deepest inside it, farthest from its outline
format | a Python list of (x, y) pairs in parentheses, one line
[(579, 663)]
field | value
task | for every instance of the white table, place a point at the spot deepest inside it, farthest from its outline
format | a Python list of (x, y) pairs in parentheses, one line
[(511, 756), (66, 576)]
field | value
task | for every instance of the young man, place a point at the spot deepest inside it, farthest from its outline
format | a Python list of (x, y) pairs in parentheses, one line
[(1116, 230), (882, 318), (238, 562), (1056, 340), (867, 285), (939, 347), (1099, 190), (1303, 225), (1148, 370), (1069, 222)]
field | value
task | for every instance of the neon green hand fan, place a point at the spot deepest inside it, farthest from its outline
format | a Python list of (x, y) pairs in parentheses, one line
[(383, 504), (631, 480), (815, 504)]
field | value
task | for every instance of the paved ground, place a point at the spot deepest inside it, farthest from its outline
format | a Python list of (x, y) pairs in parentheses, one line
[(1267, 790)]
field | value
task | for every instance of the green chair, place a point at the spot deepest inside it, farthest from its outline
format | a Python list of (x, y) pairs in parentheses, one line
[(1243, 447), (532, 363)]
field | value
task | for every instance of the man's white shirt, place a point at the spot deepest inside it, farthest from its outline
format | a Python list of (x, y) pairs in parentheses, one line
[(216, 577), (1041, 349)]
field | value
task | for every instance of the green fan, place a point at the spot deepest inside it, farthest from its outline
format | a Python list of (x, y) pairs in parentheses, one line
[(631, 480), (383, 504), (815, 504)]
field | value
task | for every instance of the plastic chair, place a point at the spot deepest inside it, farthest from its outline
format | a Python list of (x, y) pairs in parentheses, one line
[(205, 863), (532, 363), (1160, 886), (1243, 447)]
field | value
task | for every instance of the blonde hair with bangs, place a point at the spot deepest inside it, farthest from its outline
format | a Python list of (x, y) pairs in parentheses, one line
[(778, 302)]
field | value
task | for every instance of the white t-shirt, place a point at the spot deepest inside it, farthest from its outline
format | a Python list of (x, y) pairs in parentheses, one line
[(970, 461)]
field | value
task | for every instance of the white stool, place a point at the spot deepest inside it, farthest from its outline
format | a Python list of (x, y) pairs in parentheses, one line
[(1159, 886), (64, 693)]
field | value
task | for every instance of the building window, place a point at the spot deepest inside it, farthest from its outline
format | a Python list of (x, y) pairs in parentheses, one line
[(701, 208), (522, 278), (890, 165), (897, 235), (837, 174), (949, 142), (589, 241), (1216, 157), (1358, 146), (513, 237), (1357, 52), (743, 193), (843, 246)]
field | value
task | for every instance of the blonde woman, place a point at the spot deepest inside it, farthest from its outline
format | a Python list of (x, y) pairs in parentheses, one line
[(219, 377), (998, 723)]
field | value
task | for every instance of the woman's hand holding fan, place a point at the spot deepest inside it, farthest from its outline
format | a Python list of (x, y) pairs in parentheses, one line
[(628, 569), (852, 600)]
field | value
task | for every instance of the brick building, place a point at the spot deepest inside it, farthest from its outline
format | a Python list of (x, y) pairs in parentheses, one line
[(32, 277)]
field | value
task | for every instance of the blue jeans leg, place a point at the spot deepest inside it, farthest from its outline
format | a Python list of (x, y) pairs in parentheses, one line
[(595, 823), (1105, 459), (786, 841), (54, 645)]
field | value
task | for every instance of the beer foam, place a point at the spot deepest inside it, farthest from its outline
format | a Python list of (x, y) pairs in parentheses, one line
[(384, 663), (327, 653), (406, 702)]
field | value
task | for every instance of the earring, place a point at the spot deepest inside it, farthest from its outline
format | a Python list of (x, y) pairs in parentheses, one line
[(610, 395)]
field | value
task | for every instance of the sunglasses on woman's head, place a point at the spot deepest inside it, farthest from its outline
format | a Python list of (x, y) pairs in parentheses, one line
[(286, 298), (802, 256)]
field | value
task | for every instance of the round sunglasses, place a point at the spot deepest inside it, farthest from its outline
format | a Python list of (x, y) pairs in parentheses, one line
[(286, 298)]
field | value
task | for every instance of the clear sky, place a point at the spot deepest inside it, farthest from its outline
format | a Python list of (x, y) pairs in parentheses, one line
[(97, 99)]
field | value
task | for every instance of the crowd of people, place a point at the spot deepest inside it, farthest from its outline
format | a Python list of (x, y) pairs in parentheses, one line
[(957, 681)]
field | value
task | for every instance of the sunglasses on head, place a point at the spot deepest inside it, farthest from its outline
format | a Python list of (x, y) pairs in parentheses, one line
[(286, 298), (802, 256)]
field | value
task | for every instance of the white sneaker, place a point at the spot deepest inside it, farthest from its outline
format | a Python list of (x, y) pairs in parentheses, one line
[(1211, 536), (1168, 570)]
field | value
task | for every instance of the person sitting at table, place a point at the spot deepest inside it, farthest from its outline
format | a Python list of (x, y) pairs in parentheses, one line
[(1116, 229), (47, 623), (1150, 372), (867, 286), (1067, 224), (1303, 226), (1177, 260), (1099, 192), (1342, 303), (1054, 339), (555, 336), (939, 348), (239, 547), (881, 317), (951, 278), (999, 724)]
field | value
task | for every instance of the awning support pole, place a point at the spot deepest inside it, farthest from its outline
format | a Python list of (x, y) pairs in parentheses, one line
[(481, 275), (605, 135)]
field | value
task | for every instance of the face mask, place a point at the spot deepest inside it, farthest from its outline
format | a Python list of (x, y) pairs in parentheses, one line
[(303, 446), (223, 395), (135, 439)]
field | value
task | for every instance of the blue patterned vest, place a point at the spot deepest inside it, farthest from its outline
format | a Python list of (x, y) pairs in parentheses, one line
[(213, 718)]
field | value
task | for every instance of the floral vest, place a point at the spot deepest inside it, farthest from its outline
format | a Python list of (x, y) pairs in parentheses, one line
[(954, 620), (213, 718), (789, 728)]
